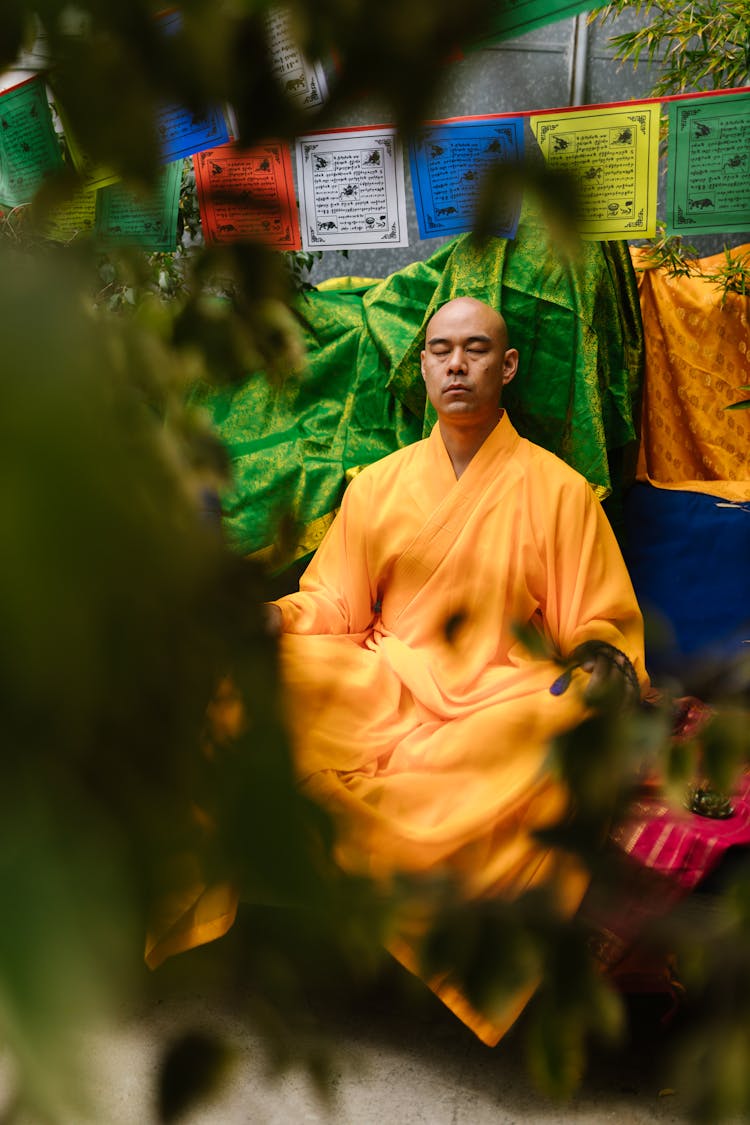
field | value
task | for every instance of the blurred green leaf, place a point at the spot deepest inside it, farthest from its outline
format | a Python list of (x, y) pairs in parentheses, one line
[(13, 32), (191, 1071), (725, 743), (533, 641), (555, 1052)]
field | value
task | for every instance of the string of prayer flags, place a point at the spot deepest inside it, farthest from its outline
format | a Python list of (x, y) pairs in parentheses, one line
[(613, 156), (708, 165), (449, 161), (351, 189), (303, 82), (350, 181), (116, 215), (248, 193), (29, 147), (515, 17), (126, 217)]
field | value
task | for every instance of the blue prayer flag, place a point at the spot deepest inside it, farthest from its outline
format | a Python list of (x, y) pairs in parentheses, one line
[(449, 161)]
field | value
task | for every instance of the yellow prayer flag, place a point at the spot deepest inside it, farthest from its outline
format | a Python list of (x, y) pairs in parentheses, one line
[(72, 219), (613, 155)]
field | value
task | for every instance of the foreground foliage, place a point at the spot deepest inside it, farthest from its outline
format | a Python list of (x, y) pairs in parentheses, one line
[(124, 613)]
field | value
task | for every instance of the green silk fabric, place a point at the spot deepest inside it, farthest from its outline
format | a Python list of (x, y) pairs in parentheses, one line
[(575, 321)]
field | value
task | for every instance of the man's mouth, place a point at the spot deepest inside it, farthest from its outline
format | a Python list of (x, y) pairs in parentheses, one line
[(454, 388)]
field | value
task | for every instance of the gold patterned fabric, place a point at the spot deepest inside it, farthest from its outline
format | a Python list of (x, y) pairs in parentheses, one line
[(697, 357)]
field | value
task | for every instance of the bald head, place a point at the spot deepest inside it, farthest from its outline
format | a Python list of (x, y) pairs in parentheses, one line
[(469, 309)]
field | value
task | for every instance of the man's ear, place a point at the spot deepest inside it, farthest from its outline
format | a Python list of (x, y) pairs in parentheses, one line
[(510, 365), (421, 363)]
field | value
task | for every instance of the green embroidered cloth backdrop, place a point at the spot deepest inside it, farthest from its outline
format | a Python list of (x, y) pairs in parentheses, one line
[(292, 445)]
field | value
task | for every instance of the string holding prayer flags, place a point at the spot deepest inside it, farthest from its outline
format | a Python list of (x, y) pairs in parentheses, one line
[(448, 163), (248, 193), (708, 165), (613, 157), (124, 217), (302, 81), (351, 189), (29, 148)]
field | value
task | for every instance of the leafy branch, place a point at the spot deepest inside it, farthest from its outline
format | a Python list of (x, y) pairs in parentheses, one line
[(733, 276), (743, 404), (670, 253), (680, 259), (698, 44)]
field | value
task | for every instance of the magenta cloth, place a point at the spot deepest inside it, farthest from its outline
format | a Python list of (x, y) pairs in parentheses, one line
[(683, 846)]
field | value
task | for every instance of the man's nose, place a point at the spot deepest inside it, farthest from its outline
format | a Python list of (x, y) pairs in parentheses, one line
[(457, 360)]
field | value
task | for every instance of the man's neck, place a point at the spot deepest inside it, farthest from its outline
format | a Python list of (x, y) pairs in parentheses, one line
[(463, 442)]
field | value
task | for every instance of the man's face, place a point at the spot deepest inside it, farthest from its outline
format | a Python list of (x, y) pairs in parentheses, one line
[(465, 362)]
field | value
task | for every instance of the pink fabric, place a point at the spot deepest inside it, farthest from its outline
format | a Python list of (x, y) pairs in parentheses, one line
[(681, 845)]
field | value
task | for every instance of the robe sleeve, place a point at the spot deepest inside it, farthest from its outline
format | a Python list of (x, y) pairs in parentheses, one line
[(589, 595), (336, 594)]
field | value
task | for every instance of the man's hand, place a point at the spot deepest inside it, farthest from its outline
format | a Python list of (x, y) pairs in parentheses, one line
[(274, 619), (609, 679), (613, 677)]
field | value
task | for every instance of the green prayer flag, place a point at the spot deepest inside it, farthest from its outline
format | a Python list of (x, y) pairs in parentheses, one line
[(126, 217), (29, 148), (708, 165)]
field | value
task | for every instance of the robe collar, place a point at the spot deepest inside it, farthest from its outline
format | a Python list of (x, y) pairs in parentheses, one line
[(447, 505), (495, 450)]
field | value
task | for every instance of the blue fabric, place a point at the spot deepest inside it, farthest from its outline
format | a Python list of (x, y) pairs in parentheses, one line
[(688, 556)]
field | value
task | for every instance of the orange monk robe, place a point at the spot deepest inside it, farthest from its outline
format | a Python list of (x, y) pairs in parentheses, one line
[(427, 743)]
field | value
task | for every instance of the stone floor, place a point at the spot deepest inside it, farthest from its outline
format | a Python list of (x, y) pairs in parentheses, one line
[(394, 1054), (386, 1070), (389, 1065)]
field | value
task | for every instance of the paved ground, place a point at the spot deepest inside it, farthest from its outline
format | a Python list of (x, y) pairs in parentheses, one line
[(396, 1057), (391, 1065), (387, 1070)]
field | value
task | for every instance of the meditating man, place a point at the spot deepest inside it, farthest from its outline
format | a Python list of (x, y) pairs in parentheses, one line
[(418, 719)]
